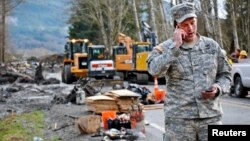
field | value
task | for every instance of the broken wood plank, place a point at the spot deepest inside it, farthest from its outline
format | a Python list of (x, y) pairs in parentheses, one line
[(122, 93), (153, 107)]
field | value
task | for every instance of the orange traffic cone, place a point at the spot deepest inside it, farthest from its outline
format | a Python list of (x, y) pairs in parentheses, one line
[(155, 84), (159, 93)]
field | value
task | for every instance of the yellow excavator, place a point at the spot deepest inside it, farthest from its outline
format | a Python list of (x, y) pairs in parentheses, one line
[(130, 59), (130, 56)]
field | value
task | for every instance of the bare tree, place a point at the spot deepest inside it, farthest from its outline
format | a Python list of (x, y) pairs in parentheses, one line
[(6, 6), (235, 35), (163, 16), (108, 15), (137, 21), (152, 14), (217, 23), (243, 22), (3, 15), (205, 15)]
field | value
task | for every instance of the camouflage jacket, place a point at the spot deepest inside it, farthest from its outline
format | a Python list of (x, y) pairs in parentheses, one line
[(188, 72)]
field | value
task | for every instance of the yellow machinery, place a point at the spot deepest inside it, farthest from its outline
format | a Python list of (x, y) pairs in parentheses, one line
[(82, 60), (75, 64), (130, 59)]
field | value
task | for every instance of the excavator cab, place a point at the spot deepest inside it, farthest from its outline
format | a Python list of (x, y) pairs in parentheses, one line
[(140, 54), (141, 47), (130, 59), (96, 52), (119, 50)]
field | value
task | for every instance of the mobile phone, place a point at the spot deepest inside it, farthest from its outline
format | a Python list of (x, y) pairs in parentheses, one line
[(209, 90), (182, 35)]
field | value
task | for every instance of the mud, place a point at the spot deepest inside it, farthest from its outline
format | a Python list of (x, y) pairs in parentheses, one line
[(51, 99)]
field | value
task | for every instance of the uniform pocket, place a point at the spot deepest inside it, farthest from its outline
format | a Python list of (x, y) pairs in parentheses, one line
[(209, 65), (186, 64), (176, 70)]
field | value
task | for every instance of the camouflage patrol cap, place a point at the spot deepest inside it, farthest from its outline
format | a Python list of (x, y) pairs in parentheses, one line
[(183, 11)]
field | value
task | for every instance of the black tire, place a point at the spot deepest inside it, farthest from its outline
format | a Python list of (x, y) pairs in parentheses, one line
[(63, 79), (68, 76), (119, 76), (231, 93), (239, 89), (142, 78)]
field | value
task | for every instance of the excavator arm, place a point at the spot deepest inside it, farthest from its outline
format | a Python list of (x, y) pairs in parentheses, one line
[(126, 41), (148, 35)]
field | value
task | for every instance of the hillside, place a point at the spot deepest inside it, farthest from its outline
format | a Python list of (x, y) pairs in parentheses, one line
[(39, 24)]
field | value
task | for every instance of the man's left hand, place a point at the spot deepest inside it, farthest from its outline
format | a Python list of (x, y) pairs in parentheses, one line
[(210, 93)]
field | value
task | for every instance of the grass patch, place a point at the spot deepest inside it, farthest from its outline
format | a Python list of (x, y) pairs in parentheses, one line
[(22, 127), (56, 138)]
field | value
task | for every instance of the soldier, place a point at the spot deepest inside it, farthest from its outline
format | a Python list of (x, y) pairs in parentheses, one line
[(197, 73)]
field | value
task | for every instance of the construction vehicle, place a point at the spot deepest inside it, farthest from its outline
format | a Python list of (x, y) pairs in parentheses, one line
[(99, 65), (148, 35), (83, 60), (75, 63), (130, 56), (130, 59)]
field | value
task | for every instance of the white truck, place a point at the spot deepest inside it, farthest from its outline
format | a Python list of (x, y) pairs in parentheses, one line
[(241, 78)]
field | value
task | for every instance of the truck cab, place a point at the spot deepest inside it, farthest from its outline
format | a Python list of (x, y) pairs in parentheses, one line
[(98, 63), (241, 78)]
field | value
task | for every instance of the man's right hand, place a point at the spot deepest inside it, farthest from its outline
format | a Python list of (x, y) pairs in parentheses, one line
[(179, 34)]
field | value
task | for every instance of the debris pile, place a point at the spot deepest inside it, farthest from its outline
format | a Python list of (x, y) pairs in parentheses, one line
[(115, 100), (101, 103), (143, 91), (124, 99), (30, 71), (26, 87)]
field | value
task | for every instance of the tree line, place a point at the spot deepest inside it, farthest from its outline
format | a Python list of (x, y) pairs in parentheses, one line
[(102, 20), (5, 8)]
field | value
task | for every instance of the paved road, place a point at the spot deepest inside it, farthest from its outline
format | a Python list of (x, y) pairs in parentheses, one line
[(236, 111)]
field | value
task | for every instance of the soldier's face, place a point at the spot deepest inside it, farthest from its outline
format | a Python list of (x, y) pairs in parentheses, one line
[(190, 27)]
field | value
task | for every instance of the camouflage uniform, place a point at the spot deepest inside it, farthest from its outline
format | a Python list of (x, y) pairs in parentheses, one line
[(188, 129), (188, 72)]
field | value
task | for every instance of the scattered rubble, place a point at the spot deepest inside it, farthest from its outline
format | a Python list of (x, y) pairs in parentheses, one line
[(25, 87)]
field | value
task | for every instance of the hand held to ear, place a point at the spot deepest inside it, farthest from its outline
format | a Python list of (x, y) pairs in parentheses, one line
[(179, 35)]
